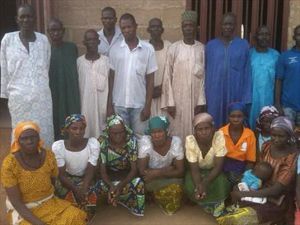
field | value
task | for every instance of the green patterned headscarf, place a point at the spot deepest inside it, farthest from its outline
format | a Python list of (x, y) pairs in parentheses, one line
[(189, 15), (157, 122), (115, 120)]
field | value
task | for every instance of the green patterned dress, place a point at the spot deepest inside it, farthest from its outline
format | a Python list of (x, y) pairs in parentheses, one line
[(132, 196)]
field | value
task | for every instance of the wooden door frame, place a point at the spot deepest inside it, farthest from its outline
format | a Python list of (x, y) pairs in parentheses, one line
[(44, 9), (204, 29)]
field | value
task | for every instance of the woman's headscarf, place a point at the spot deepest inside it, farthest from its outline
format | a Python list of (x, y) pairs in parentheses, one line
[(203, 118), (72, 119), (286, 124), (158, 122), (115, 120), (265, 111), (240, 107), (237, 106), (18, 131)]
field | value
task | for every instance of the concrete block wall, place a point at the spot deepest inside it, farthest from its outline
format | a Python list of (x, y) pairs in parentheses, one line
[(81, 15), (294, 20)]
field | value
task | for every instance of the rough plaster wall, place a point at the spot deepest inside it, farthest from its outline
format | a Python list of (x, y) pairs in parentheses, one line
[(80, 15), (294, 20)]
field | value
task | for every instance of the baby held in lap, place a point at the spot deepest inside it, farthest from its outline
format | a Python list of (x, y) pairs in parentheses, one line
[(253, 179)]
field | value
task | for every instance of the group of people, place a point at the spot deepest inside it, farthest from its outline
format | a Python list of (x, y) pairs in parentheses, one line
[(129, 113)]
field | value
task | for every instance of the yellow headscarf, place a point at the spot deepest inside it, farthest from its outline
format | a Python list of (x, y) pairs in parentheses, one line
[(18, 131)]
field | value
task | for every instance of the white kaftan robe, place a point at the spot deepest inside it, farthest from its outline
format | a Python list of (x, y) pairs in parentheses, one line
[(161, 57), (25, 82), (93, 86), (183, 85)]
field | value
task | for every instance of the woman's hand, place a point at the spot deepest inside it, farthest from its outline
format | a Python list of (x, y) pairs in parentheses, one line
[(236, 197), (200, 191), (150, 175), (114, 193), (80, 196)]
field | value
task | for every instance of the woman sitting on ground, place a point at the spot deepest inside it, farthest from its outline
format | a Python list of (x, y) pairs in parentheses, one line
[(118, 167), (28, 175), (76, 159), (263, 123), (281, 153), (161, 164), (205, 151), (240, 143)]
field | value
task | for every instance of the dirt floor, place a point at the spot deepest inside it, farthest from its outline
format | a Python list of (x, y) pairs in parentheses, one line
[(107, 214)]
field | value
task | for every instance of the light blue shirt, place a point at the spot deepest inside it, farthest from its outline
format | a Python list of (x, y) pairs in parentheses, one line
[(253, 182), (263, 67)]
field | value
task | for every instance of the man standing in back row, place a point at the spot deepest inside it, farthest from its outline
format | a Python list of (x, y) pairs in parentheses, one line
[(110, 34), (93, 72), (63, 77), (228, 71), (131, 79), (183, 87), (155, 29), (25, 61), (287, 92)]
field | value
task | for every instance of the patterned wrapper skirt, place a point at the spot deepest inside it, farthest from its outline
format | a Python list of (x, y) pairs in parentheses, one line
[(132, 196), (217, 192), (253, 213), (66, 194), (167, 192)]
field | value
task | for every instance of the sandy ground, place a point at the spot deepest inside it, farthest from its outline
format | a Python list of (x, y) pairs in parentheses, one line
[(107, 214)]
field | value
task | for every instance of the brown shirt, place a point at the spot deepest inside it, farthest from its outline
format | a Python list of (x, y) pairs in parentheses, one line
[(284, 169)]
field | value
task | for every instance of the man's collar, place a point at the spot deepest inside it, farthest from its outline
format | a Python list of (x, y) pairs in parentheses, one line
[(295, 49), (117, 31), (123, 43)]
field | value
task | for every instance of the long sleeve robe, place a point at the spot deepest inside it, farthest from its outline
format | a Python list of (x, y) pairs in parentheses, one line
[(25, 82), (263, 67), (183, 85), (93, 86), (228, 77), (161, 57), (64, 84)]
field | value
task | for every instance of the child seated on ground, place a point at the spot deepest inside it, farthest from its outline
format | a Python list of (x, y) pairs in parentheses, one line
[(253, 179)]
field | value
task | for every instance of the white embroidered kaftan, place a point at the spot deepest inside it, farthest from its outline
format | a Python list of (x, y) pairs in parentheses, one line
[(93, 86), (183, 85), (161, 57), (25, 82)]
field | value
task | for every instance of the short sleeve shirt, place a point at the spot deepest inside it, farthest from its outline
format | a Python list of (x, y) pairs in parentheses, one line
[(104, 46), (76, 162), (34, 185), (156, 160), (253, 182), (244, 149), (284, 168), (131, 69), (288, 70), (194, 154)]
